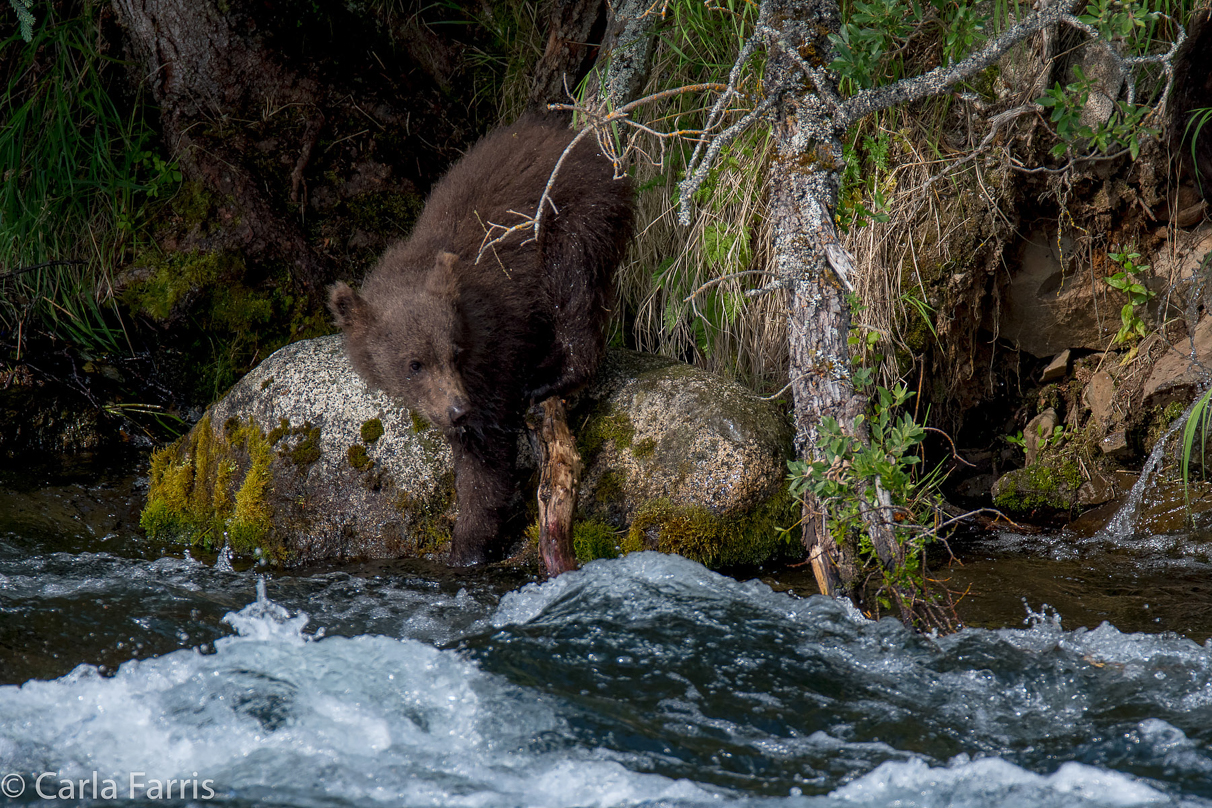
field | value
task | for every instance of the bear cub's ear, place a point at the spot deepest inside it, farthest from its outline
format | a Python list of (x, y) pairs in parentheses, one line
[(347, 306), (443, 280)]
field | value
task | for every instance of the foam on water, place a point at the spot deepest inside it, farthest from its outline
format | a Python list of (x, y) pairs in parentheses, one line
[(274, 712), (995, 782), (643, 681)]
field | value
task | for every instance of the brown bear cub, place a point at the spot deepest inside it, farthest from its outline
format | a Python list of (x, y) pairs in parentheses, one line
[(470, 345)]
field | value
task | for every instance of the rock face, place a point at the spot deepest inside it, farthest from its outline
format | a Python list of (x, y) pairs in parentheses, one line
[(1036, 490), (1038, 433), (300, 462), (1050, 306), (1175, 375)]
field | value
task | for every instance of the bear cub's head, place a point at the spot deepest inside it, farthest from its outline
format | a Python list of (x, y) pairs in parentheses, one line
[(408, 342)]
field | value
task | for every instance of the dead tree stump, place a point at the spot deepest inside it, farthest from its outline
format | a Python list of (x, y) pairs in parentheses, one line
[(560, 474)]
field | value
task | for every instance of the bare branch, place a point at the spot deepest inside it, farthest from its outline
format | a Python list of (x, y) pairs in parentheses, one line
[(1125, 65), (696, 171), (773, 286), (996, 123), (942, 77)]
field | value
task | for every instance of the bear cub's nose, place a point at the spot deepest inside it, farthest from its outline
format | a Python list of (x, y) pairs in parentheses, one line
[(457, 412)]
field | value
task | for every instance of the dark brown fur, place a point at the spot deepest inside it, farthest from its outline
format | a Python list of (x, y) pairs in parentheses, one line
[(470, 345)]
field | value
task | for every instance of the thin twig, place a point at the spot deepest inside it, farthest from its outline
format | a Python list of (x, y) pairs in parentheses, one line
[(728, 277), (59, 262), (954, 453)]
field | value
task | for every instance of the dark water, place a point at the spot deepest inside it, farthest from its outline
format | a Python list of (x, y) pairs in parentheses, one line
[(643, 681)]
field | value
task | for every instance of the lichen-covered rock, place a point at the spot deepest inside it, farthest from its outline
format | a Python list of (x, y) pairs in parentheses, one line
[(683, 461), (300, 461)]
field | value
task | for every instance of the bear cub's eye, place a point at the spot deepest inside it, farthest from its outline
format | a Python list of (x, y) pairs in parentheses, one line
[(414, 366)]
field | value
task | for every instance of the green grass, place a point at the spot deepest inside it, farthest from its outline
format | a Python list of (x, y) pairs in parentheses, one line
[(79, 173), (1198, 119)]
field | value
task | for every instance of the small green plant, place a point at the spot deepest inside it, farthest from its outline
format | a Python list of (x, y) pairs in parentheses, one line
[(869, 31), (1133, 327), (848, 478), (1052, 439), (1199, 419), (862, 347), (1123, 130), (1115, 19), (1016, 439), (1195, 126), (865, 180)]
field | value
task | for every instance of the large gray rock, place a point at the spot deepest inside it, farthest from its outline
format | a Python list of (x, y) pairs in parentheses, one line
[(323, 466), (672, 431), (300, 461)]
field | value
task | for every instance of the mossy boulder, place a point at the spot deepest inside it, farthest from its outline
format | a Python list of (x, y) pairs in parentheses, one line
[(1042, 489), (300, 462), (680, 460)]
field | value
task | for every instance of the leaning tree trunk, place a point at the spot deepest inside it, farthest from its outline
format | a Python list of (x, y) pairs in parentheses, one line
[(804, 180), (244, 118), (573, 29)]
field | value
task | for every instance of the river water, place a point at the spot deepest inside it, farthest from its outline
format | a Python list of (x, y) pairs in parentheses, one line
[(127, 669)]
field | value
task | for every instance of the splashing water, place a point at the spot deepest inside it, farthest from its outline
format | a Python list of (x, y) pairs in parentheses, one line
[(1120, 526), (647, 680)]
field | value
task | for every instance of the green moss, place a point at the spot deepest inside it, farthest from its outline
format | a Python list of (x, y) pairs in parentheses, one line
[(358, 458), (644, 448), (604, 426), (221, 500), (1039, 486), (193, 205), (372, 430), (224, 312), (917, 334), (593, 538), (611, 486), (307, 451), (428, 520), (191, 499), (1051, 395), (278, 432), (174, 511), (178, 276), (252, 517), (694, 532), (1157, 422), (387, 213), (419, 424)]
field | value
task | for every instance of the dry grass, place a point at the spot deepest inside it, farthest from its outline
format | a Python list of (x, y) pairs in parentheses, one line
[(718, 328), (673, 301), (922, 274)]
